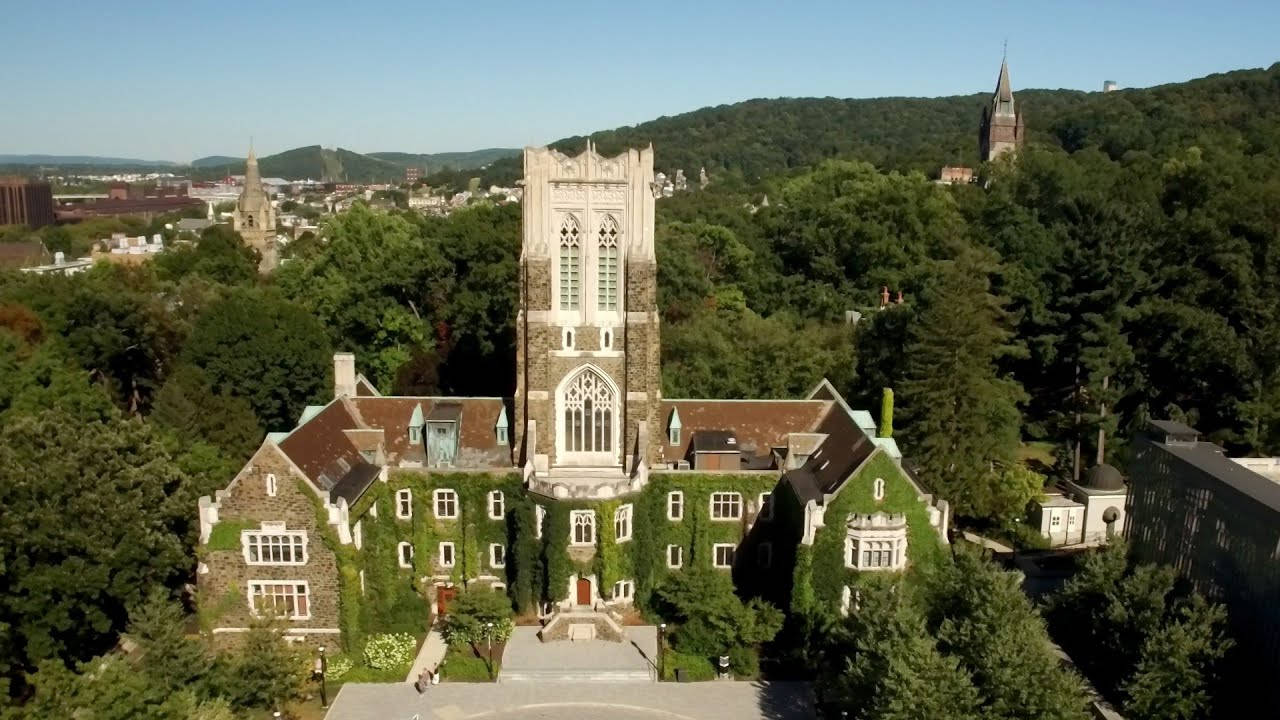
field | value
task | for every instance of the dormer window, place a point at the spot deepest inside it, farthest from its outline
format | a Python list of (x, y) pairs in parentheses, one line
[(415, 426), (500, 428), (673, 428)]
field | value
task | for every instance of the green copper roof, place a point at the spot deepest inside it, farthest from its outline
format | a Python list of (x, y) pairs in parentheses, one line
[(416, 420), (502, 418)]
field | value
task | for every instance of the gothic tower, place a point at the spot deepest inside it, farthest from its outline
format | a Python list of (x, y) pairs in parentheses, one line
[(254, 218), (1001, 130), (588, 378)]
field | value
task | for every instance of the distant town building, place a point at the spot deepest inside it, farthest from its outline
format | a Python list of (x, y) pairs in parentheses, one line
[(681, 184), (60, 266), (1002, 129), (25, 202), (1109, 86), (255, 218), (23, 254), (955, 175), (125, 250), (1216, 520), (412, 174), (703, 180)]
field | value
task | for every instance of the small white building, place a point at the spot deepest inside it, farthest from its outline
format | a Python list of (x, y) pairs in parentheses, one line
[(1085, 513)]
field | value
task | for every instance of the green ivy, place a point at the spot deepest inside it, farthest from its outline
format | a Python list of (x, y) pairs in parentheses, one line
[(225, 535), (829, 574)]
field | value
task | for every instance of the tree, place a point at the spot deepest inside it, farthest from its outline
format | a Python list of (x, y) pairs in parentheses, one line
[(960, 415), (981, 617), (711, 619), (881, 664), (170, 658), (219, 255), (264, 672), (187, 405), (471, 615), (97, 514), (257, 346)]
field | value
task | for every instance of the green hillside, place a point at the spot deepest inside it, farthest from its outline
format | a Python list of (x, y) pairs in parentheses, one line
[(311, 162), (763, 137), (469, 160)]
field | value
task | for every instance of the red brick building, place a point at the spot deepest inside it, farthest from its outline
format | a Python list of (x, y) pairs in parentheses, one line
[(25, 202)]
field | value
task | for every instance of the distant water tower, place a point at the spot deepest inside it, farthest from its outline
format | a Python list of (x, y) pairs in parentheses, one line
[(1109, 86)]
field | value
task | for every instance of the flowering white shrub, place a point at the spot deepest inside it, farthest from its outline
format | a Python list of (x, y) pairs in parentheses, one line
[(337, 666), (389, 650)]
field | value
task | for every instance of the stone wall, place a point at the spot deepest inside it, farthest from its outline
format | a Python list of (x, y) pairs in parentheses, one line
[(224, 575)]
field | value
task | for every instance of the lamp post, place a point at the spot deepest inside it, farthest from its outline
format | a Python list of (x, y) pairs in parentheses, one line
[(662, 641), (488, 636), (322, 666)]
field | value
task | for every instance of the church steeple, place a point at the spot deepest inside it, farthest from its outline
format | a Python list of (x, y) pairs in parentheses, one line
[(255, 218), (1001, 130)]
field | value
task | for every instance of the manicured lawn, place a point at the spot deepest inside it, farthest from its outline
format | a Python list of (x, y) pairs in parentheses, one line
[(463, 664)]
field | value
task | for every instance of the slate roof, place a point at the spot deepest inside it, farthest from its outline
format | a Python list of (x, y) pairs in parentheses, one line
[(847, 446), (759, 425), (717, 441), (1210, 459)]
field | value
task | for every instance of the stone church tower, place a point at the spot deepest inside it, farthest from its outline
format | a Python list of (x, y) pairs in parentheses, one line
[(1001, 130), (254, 218), (588, 376)]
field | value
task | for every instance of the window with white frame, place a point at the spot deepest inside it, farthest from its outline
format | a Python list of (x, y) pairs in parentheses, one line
[(539, 515), (446, 502), (726, 506), (675, 505), (675, 556), (287, 599), (673, 435), (764, 555), (497, 555), (271, 484), (582, 527), (722, 555), (273, 548), (415, 434), (404, 552), (622, 524), (570, 249), (1055, 519), (624, 590), (497, 505), (876, 553), (502, 434), (404, 503), (766, 507), (446, 554), (357, 534), (877, 489)]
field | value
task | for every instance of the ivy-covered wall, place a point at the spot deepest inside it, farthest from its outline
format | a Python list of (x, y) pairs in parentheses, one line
[(827, 574)]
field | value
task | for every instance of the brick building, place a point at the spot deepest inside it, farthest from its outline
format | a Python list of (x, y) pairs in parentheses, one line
[(25, 202), (427, 496)]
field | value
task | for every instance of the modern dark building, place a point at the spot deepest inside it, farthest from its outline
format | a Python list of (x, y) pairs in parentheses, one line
[(1218, 523), (25, 202)]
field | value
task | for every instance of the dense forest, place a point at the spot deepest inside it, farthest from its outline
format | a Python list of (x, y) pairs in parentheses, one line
[(1125, 265)]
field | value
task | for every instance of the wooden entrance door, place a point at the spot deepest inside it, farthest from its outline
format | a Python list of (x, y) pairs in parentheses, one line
[(584, 591), (443, 596)]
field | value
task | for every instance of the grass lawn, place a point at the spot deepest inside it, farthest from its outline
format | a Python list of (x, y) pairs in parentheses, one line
[(1038, 452), (463, 664)]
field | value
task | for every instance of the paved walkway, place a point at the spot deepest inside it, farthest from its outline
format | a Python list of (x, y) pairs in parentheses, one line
[(528, 658), (429, 656), (719, 700)]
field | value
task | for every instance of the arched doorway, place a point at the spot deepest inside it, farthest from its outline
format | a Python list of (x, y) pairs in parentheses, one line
[(584, 591), (587, 419)]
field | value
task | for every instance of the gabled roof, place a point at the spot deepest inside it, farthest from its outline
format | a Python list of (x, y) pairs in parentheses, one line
[(758, 425)]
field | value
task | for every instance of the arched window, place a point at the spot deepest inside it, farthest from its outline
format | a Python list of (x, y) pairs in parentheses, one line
[(583, 527), (607, 264), (588, 414), (248, 220), (570, 244)]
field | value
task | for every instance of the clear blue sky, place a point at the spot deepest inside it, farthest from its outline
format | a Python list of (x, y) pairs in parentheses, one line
[(179, 80)]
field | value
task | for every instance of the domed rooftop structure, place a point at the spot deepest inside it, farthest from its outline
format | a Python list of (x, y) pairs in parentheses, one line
[(1103, 477)]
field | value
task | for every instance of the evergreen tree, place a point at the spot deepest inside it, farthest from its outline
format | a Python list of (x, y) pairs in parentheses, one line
[(960, 416)]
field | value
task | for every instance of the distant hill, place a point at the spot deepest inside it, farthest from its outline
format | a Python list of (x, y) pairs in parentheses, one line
[(452, 160), (311, 162), (81, 160), (763, 137)]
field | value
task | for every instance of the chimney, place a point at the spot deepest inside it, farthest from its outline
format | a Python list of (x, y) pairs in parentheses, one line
[(344, 375), (59, 258)]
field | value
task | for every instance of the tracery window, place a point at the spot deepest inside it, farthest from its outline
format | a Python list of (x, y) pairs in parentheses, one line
[(570, 250), (583, 530), (622, 524), (588, 414), (607, 265)]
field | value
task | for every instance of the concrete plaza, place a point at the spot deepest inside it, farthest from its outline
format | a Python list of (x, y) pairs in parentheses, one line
[(717, 700)]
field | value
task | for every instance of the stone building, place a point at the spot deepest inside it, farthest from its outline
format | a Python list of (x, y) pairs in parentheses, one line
[(255, 218), (576, 496), (1089, 512), (1001, 130)]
